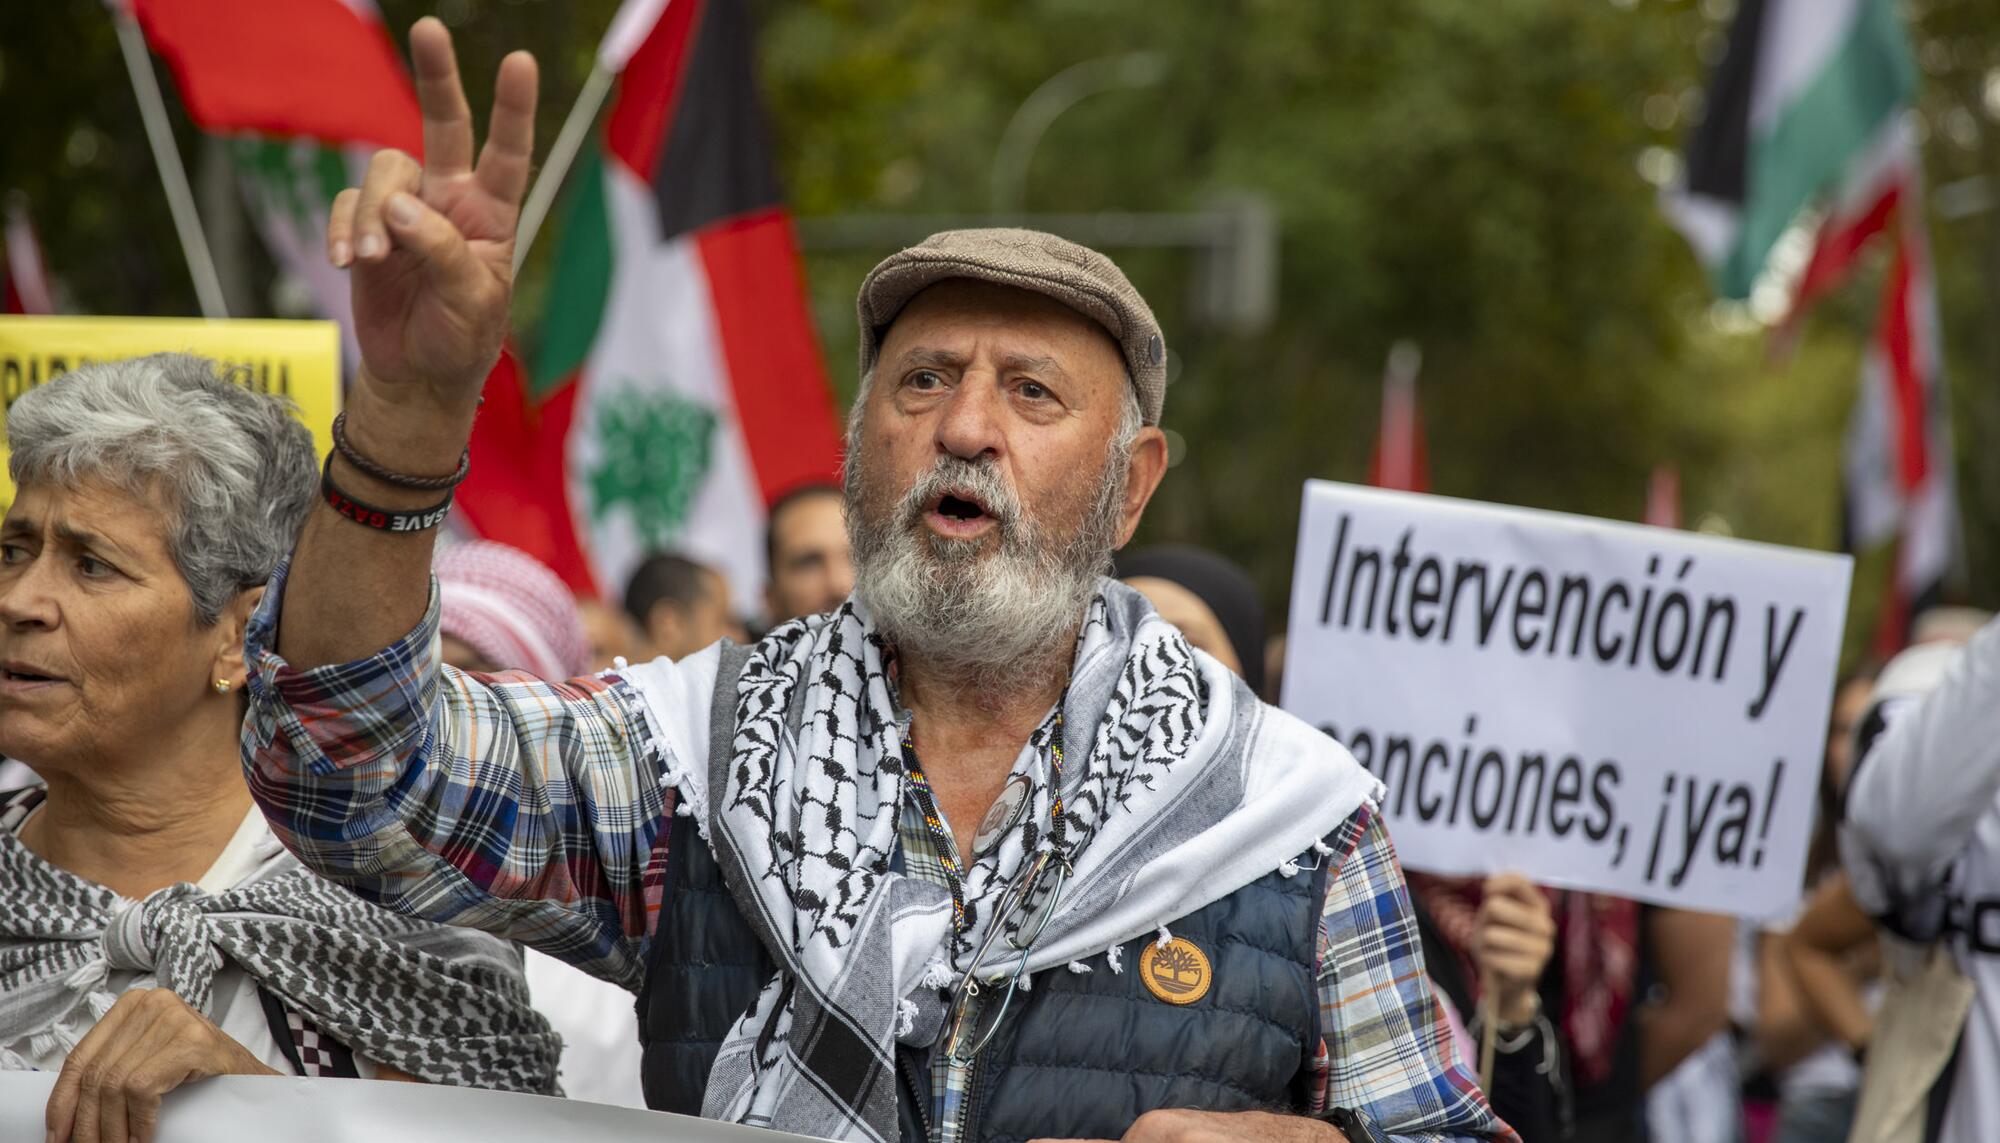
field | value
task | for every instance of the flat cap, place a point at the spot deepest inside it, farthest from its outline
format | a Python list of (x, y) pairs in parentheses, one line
[(1074, 275)]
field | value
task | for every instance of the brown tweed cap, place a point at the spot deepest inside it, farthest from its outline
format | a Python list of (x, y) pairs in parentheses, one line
[(1076, 276)]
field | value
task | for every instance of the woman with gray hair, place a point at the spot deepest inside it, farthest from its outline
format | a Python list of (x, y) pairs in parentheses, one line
[(152, 931)]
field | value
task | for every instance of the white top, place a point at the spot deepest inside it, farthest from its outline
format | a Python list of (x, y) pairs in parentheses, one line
[(234, 1004), (599, 1028), (15, 775), (1924, 823)]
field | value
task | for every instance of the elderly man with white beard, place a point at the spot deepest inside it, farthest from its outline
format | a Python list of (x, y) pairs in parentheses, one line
[(986, 853)]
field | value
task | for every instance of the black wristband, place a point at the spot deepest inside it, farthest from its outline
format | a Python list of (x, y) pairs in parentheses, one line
[(390, 476), (380, 519)]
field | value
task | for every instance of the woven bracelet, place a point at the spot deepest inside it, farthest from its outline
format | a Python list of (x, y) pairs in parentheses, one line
[(353, 456)]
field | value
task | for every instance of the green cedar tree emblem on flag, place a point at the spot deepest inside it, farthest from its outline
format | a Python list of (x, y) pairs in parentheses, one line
[(654, 451)]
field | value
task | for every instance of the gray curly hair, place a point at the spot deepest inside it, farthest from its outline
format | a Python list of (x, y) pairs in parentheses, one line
[(233, 471)]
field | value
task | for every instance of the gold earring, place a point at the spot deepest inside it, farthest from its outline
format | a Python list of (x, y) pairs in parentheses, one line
[(222, 686)]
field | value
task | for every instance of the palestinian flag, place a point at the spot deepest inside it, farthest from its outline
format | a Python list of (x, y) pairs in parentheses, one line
[(307, 91), (676, 389), (1809, 100), (1804, 88)]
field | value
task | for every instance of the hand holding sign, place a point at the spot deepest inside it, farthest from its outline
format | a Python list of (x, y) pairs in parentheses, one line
[(432, 245), (148, 1044), (1515, 937)]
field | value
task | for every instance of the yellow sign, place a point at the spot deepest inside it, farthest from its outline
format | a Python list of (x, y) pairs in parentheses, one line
[(1176, 972), (297, 359)]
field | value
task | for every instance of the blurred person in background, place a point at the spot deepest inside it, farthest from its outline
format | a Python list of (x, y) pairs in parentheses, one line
[(1920, 844), (680, 605), (1628, 995), (1952, 625), (611, 633), (1811, 1001), (1274, 668), (1701, 1100), (807, 557), (500, 610), (1211, 600), (1488, 944), (152, 931)]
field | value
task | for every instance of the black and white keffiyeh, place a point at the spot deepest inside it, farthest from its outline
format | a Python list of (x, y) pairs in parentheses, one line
[(442, 1004), (1180, 789)]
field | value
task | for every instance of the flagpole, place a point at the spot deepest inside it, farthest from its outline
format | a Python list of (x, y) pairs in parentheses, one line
[(180, 199), (568, 142)]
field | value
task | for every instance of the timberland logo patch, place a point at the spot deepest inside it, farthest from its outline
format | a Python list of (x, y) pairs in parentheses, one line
[(1176, 972)]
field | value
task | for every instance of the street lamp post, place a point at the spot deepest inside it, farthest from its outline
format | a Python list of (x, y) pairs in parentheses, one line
[(1058, 94)]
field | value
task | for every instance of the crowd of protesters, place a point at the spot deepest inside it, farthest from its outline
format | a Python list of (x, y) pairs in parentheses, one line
[(1613, 1020), (755, 860)]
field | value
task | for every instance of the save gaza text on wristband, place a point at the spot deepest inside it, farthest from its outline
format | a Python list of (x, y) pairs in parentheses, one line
[(380, 519)]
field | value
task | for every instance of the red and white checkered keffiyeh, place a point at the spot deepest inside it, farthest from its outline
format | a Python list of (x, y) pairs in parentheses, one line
[(511, 608)]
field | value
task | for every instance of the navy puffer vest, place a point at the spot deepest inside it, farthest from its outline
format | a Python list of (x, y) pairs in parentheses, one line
[(1080, 1055), (706, 967)]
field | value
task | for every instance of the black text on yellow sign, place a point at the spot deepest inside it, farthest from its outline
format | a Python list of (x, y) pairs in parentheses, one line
[(295, 359)]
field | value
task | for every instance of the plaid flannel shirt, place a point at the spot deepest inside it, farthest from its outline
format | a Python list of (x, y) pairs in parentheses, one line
[(535, 810)]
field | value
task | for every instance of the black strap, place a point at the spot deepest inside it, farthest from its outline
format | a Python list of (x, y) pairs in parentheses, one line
[(280, 1029)]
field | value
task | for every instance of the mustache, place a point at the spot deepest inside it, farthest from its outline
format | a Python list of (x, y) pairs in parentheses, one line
[(977, 481)]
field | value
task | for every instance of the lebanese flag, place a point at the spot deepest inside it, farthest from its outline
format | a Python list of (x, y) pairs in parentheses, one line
[(307, 91), (27, 281), (677, 388), (1804, 88), (1400, 461)]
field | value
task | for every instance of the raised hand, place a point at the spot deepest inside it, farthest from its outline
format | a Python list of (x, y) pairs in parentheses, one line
[(431, 245)]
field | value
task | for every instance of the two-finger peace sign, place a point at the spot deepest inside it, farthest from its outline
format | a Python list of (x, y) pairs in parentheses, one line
[(431, 245)]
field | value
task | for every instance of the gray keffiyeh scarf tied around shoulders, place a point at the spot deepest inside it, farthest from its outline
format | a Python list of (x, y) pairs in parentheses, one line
[(1179, 788), (445, 1005)]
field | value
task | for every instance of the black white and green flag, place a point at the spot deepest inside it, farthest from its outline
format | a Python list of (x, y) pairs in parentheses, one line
[(1804, 91)]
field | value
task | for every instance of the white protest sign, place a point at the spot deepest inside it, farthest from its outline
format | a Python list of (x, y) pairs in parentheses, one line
[(1602, 706), (259, 1109)]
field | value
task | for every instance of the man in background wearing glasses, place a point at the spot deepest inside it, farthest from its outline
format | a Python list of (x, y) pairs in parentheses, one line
[(986, 853)]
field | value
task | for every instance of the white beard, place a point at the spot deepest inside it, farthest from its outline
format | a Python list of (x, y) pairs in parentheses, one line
[(966, 611)]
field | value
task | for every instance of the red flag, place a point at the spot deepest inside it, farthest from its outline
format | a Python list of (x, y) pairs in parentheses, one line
[(319, 69), (1897, 475), (306, 91), (1900, 444), (1400, 460), (1663, 497)]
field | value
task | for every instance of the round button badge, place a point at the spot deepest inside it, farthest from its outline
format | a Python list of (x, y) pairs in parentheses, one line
[(1003, 816)]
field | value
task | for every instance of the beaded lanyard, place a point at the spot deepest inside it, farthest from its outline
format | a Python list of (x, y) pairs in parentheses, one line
[(941, 840)]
